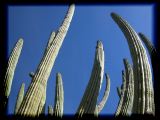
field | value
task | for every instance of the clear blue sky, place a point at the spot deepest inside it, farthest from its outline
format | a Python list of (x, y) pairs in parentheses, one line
[(75, 59)]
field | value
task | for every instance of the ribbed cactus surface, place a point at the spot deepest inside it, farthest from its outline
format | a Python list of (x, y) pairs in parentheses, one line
[(19, 98), (127, 98), (143, 95), (89, 100), (106, 94), (59, 97), (37, 89), (12, 62), (119, 107)]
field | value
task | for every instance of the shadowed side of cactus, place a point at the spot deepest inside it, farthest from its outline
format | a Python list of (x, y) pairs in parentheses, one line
[(89, 100), (19, 98), (36, 92), (59, 97), (12, 63), (143, 102), (155, 60)]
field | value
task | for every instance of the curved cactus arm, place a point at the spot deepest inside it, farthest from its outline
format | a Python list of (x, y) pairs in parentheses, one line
[(106, 94), (59, 97), (155, 60), (89, 100), (50, 110), (32, 99), (128, 95), (143, 102), (19, 98), (148, 44), (119, 108)]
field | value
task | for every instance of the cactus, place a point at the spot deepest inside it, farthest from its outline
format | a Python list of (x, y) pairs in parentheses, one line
[(59, 97), (155, 60), (34, 98), (105, 96), (89, 100), (127, 98), (12, 62), (19, 98), (143, 102), (119, 108)]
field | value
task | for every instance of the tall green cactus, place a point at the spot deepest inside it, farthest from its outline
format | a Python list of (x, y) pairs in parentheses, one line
[(155, 60), (19, 98), (143, 102), (89, 100), (12, 62), (59, 97), (50, 110), (37, 90)]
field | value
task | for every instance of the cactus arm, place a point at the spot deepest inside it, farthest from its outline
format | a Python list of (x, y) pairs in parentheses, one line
[(89, 100), (141, 68), (50, 110), (119, 108), (106, 94), (10, 70), (59, 97), (19, 98), (38, 85), (12, 62), (151, 49), (155, 65), (128, 95)]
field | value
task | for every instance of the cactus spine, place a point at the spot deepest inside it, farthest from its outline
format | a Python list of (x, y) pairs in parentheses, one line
[(89, 100), (59, 97), (19, 98), (143, 102), (37, 88)]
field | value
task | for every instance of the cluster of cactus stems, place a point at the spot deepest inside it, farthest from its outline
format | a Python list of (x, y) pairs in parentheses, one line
[(143, 89), (136, 92)]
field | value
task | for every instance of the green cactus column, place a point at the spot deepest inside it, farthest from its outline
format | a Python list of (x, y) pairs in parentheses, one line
[(89, 100), (155, 60), (19, 98), (37, 88), (12, 62), (143, 102), (59, 97)]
